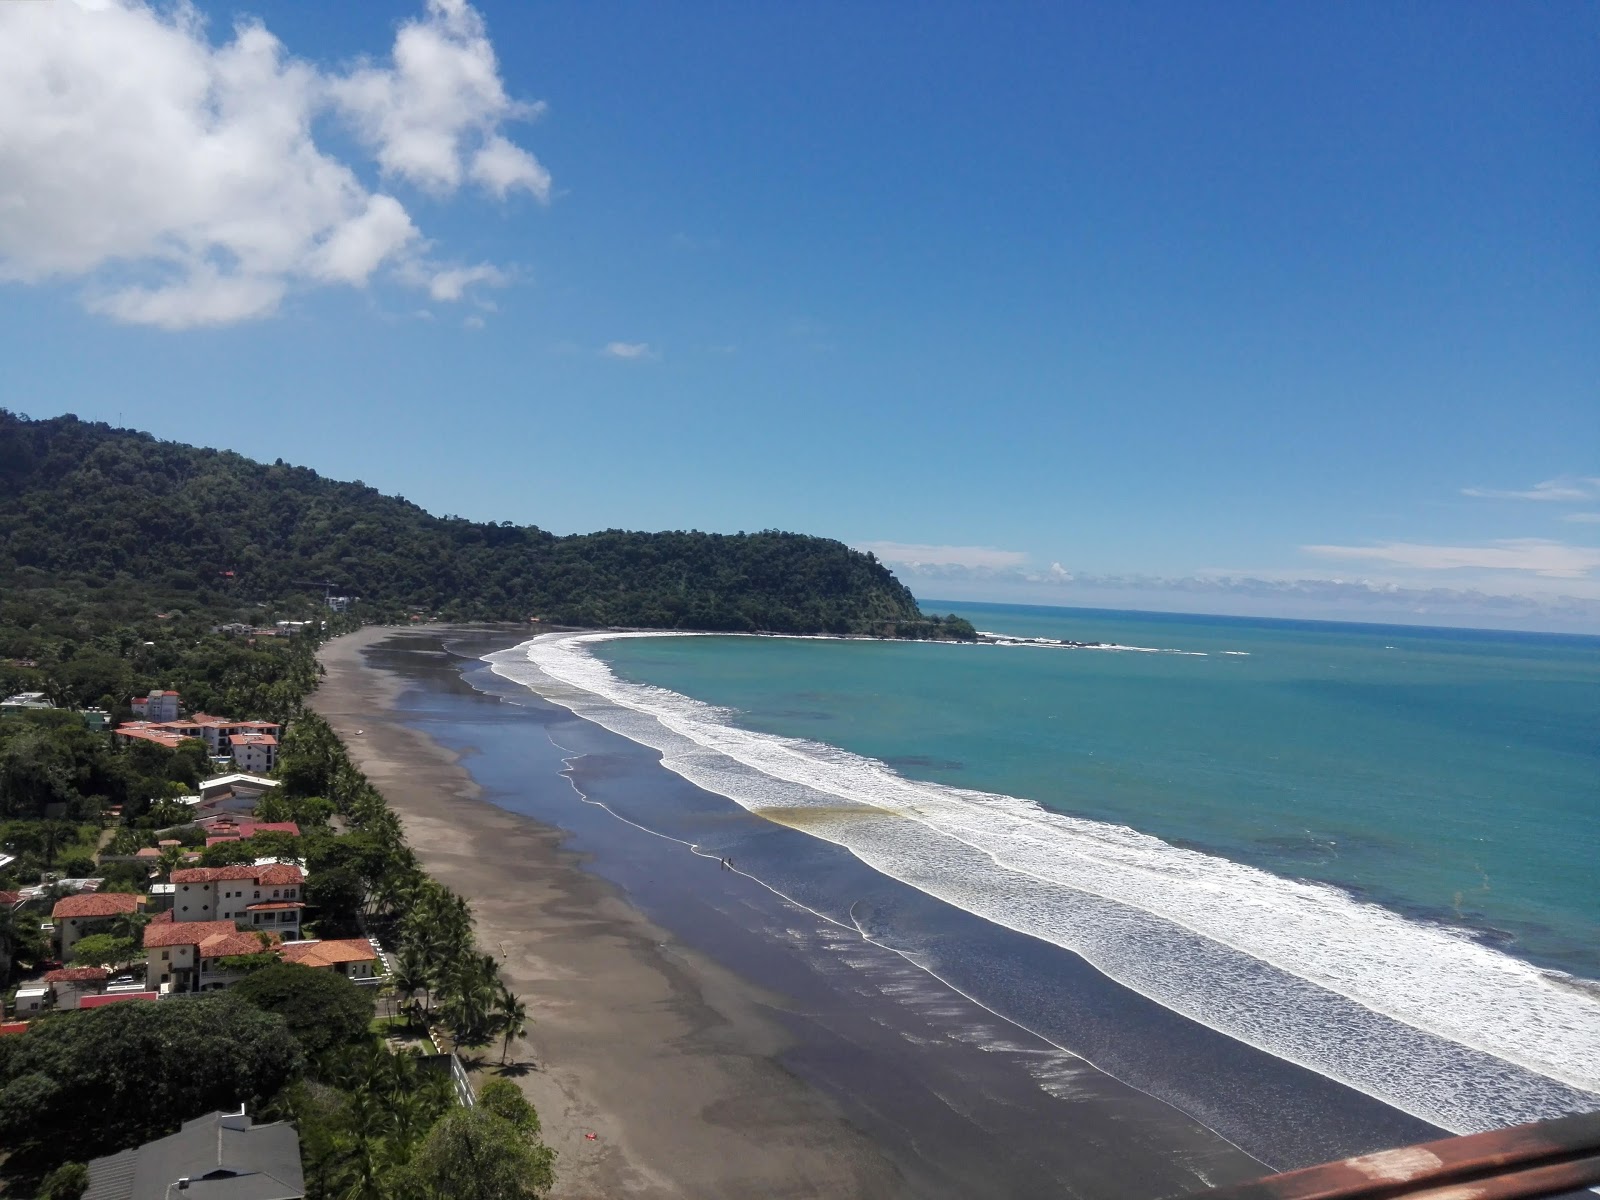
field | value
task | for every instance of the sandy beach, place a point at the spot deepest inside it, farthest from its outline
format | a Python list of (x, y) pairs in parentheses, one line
[(663, 1055), (708, 1045)]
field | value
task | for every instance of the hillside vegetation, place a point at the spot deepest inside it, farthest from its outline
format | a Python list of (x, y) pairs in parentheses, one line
[(117, 521)]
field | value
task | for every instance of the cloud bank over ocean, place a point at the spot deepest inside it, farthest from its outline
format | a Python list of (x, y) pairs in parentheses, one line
[(1287, 594)]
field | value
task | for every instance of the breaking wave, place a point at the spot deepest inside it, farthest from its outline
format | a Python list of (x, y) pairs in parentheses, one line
[(1417, 1015)]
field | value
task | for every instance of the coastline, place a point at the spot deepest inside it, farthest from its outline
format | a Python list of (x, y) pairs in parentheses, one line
[(709, 1055), (634, 1037)]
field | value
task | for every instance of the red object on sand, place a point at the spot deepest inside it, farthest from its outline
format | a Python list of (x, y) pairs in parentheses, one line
[(591, 1137)]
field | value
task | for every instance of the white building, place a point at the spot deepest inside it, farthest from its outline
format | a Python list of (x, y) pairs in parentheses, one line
[(268, 897), (253, 751), (157, 706)]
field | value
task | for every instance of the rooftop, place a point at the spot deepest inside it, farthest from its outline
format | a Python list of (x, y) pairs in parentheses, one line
[(77, 975), (327, 954), (272, 875), (223, 1156), (96, 904)]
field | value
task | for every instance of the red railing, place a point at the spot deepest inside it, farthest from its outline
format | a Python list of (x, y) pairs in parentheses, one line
[(1547, 1158)]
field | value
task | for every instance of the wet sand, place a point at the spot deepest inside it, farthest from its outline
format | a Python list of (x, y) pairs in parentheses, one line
[(696, 1081)]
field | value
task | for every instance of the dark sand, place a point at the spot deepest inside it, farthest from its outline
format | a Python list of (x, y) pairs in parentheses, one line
[(677, 1063)]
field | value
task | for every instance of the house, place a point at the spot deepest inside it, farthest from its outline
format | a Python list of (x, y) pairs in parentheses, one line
[(186, 956), (268, 896), (236, 793), (253, 751), (354, 958), (216, 731), (96, 719), (69, 985), (225, 829), (89, 912), (150, 731), (158, 706), (222, 1156), (24, 702)]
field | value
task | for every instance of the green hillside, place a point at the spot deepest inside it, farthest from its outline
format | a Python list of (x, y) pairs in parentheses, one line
[(115, 520)]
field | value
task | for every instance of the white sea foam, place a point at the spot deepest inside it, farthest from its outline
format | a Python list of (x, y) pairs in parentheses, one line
[(1418, 1015)]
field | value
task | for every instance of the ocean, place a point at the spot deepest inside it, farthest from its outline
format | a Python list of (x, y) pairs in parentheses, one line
[(1366, 851)]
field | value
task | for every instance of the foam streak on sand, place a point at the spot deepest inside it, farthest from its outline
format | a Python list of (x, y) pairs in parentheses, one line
[(1417, 1015)]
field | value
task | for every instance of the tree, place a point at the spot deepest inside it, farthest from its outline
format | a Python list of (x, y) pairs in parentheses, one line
[(475, 1154), (410, 977), (337, 894), (141, 1069), (505, 1099), (323, 1010), (130, 925), (104, 950), (67, 1182), (511, 1015)]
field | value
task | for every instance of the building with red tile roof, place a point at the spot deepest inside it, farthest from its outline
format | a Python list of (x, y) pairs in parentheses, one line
[(184, 956), (353, 958), (71, 985), (253, 752), (228, 894), (89, 912)]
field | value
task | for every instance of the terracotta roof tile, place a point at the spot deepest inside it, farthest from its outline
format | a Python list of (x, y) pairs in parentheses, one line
[(224, 945), (184, 933), (272, 905), (76, 975), (274, 874), (327, 954), (96, 904)]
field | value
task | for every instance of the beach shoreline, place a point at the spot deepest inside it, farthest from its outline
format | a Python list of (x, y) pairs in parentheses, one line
[(631, 1033), (674, 1015)]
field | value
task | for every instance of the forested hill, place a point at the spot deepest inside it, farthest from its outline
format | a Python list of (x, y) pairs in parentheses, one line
[(106, 517)]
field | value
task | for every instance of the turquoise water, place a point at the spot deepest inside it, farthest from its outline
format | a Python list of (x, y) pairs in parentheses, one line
[(1367, 851), (1448, 775)]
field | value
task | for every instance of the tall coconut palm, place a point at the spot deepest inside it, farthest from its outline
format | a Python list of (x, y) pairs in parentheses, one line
[(511, 1014), (410, 977)]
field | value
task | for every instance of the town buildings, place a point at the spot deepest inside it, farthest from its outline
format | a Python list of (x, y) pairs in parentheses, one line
[(157, 706), (89, 912)]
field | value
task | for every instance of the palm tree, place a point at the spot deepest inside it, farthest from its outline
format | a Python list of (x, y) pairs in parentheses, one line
[(410, 976), (129, 925), (171, 856), (512, 1016), (362, 1142)]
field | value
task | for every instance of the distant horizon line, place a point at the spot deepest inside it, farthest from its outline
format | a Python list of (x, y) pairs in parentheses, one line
[(953, 605)]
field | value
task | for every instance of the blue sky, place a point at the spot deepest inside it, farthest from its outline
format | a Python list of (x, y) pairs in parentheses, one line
[(1258, 308)]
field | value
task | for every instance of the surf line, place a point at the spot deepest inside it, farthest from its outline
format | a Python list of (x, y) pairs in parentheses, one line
[(854, 927)]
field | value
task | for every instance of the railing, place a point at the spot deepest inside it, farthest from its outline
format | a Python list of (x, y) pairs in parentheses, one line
[(448, 1062), (1547, 1158)]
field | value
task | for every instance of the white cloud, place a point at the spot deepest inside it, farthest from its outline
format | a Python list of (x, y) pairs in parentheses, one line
[(502, 168), (451, 284), (913, 554), (1552, 560), (442, 94), (627, 350), (1566, 489), (472, 322), (180, 181), (1583, 518)]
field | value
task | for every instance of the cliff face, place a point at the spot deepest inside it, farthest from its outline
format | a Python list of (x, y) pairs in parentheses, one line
[(84, 506)]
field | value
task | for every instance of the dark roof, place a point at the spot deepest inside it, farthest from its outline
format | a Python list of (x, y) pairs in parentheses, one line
[(222, 1156)]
